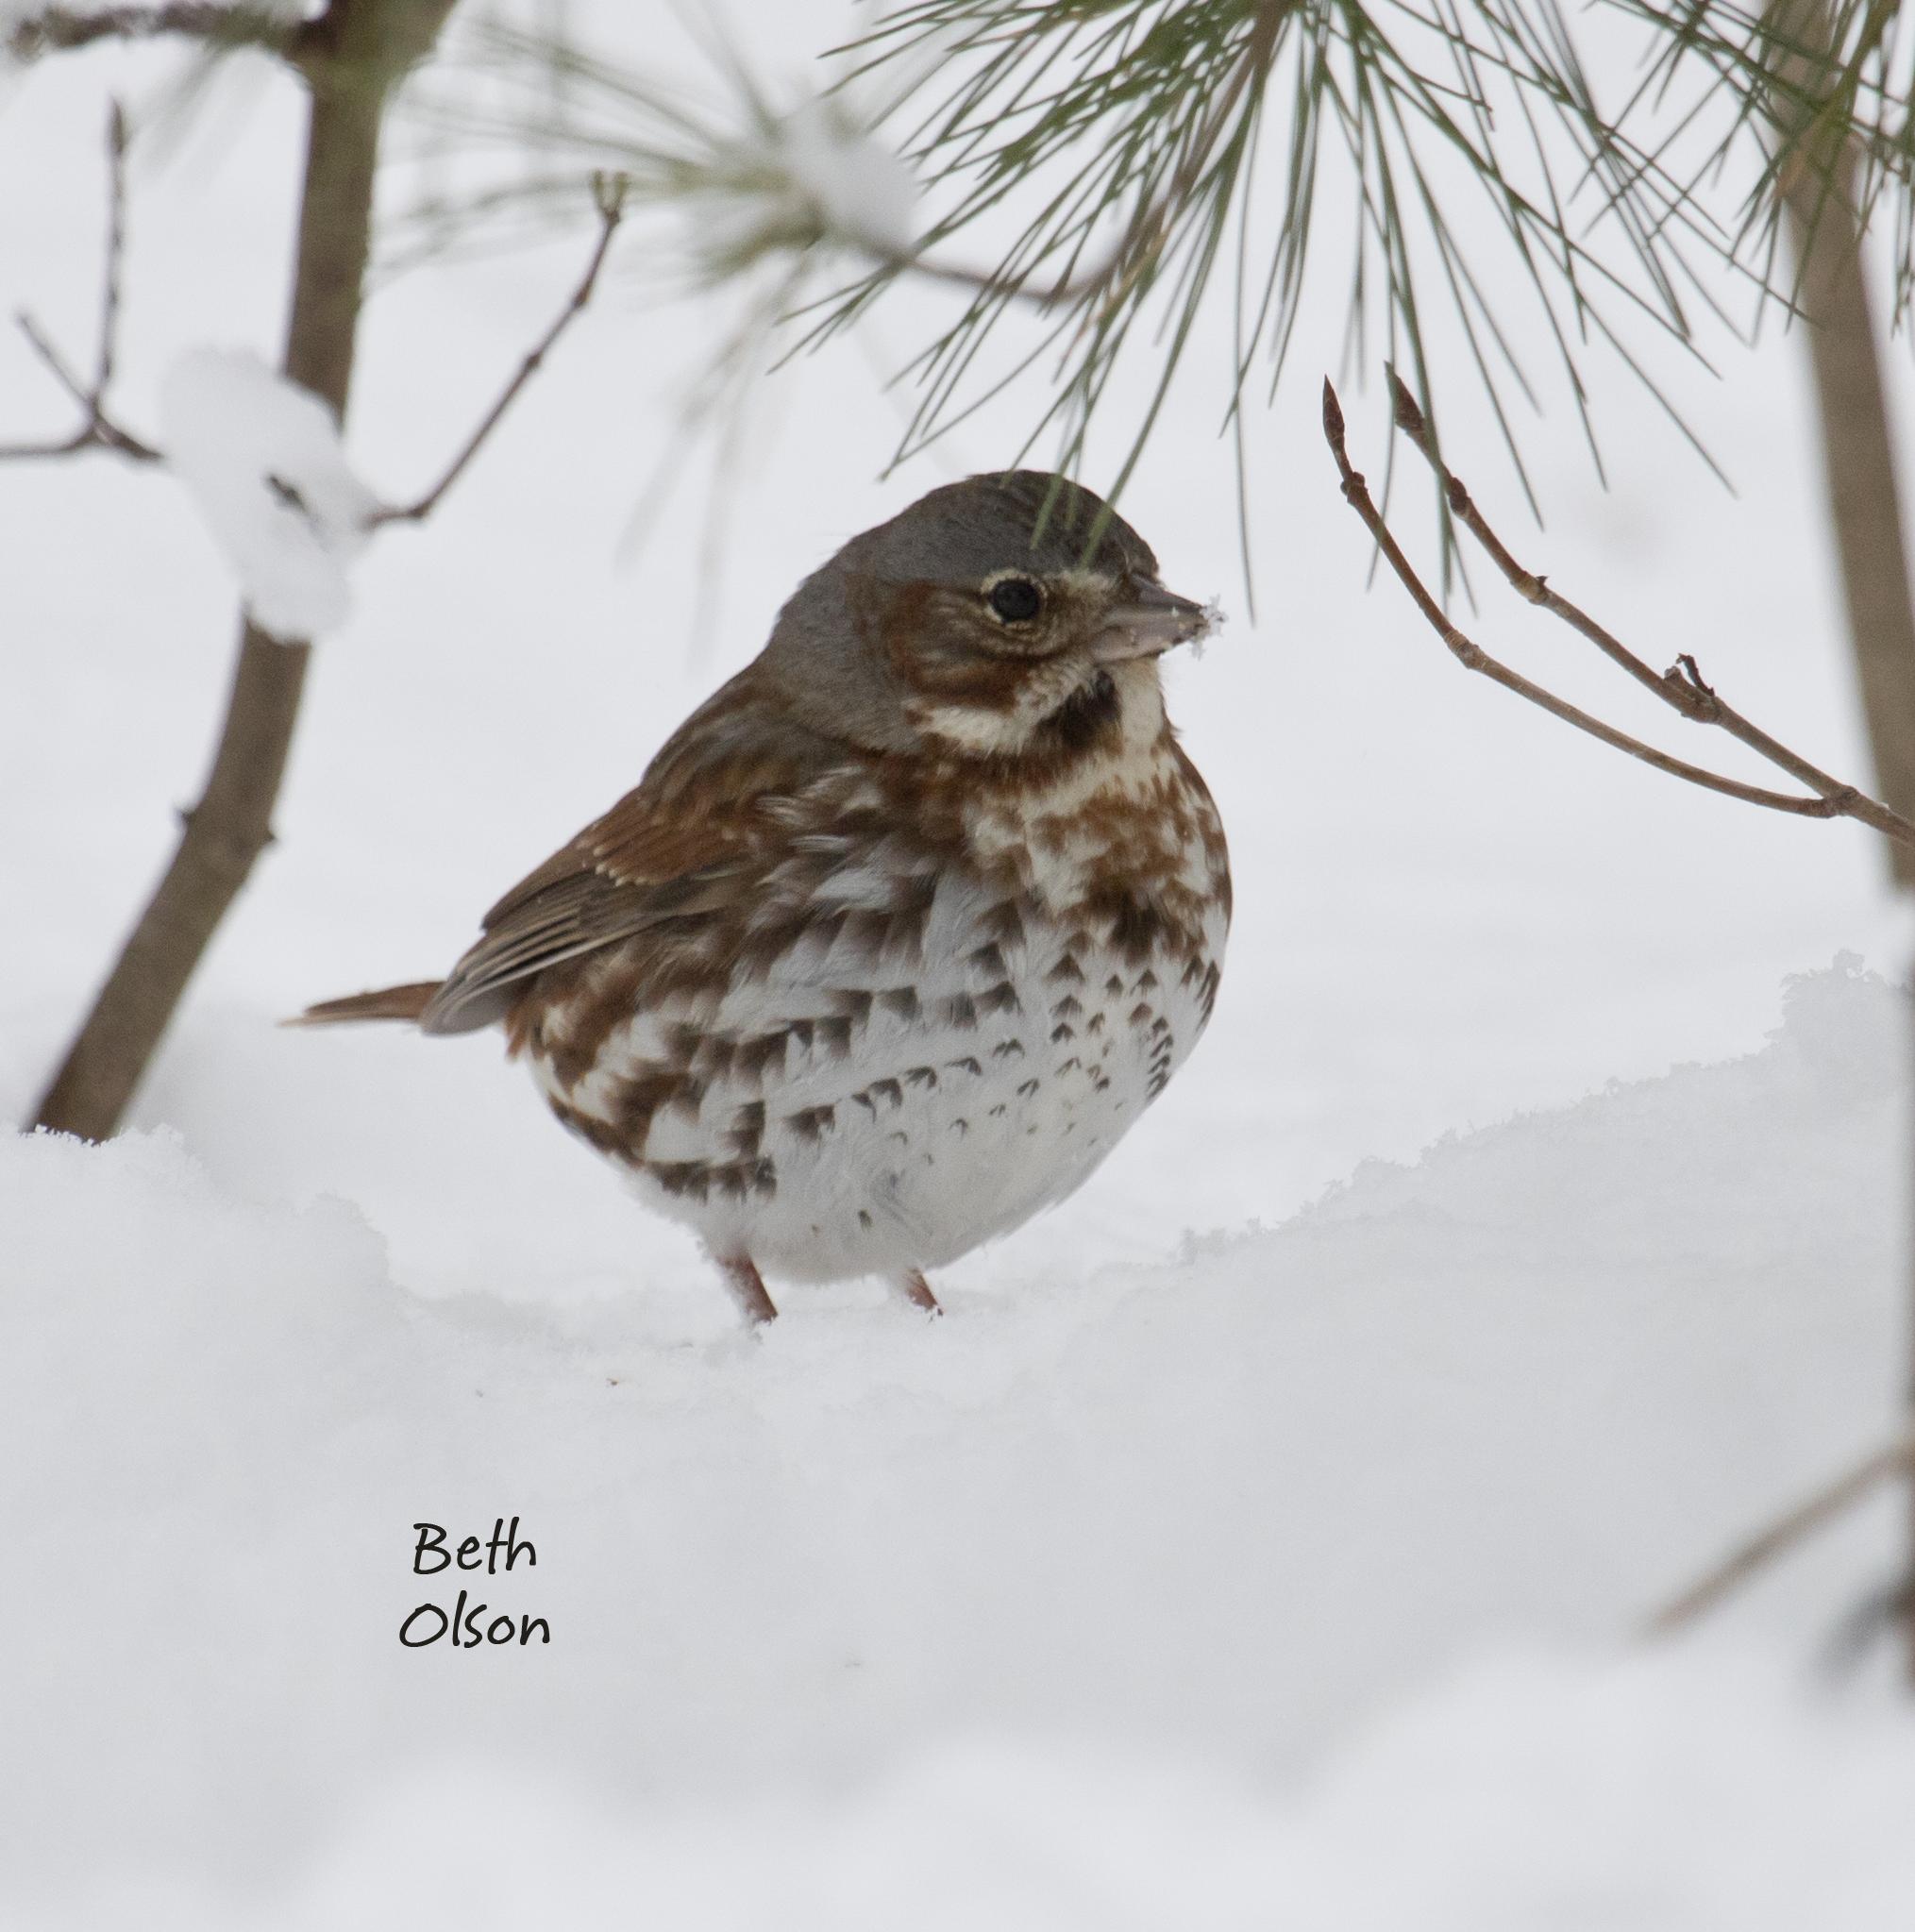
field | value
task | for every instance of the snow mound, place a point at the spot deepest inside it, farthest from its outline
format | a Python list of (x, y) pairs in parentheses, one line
[(1529, 1790), (261, 458), (1726, 1159), (1106, 1600)]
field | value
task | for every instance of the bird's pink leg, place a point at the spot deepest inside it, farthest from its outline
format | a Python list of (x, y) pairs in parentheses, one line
[(747, 1288), (916, 1290)]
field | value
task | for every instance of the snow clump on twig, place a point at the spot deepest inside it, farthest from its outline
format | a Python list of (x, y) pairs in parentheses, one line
[(261, 458), (810, 175)]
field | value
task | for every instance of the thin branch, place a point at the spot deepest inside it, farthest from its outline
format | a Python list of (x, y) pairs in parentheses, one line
[(60, 30), (98, 430), (609, 195), (1758, 1551), (1682, 687), (116, 247), (37, 341)]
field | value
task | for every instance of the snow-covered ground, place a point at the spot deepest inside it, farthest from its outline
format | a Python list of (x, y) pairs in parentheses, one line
[(1234, 1552), (1281, 1580)]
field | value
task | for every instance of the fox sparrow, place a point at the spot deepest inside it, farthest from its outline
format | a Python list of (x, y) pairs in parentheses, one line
[(906, 924)]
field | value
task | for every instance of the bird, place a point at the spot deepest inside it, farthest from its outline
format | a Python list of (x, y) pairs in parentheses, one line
[(904, 927)]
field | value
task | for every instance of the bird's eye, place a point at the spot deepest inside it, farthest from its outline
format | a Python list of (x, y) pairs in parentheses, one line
[(1016, 600)]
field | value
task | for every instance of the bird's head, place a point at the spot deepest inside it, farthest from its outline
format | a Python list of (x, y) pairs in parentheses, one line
[(1002, 617)]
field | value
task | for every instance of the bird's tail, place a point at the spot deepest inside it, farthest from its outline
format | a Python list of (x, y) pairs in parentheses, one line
[(389, 1003)]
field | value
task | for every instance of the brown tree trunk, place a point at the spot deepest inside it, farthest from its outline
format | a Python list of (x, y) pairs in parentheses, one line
[(1865, 507), (1851, 413), (1819, 192), (356, 54)]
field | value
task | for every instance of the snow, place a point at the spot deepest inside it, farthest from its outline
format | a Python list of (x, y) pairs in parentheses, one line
[(1542, 1790), (861, 189), (812, 172), (263, 461), (1260, 1536), (1179, 1582)]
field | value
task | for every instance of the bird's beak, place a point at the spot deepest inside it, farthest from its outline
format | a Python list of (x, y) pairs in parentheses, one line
[(1149, 622)]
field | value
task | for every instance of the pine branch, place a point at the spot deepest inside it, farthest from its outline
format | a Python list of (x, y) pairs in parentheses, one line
[(1156, 109), (1115, 143)]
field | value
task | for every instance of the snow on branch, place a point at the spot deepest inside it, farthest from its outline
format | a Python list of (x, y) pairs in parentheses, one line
[(261, 458), (763, 173), (260, 455), (1681, 687), (794, 180)]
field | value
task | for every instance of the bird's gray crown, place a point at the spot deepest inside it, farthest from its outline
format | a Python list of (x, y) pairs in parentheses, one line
[(1027, 519)]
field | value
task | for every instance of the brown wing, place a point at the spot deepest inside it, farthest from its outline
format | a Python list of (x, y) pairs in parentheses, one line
[(695, 830)]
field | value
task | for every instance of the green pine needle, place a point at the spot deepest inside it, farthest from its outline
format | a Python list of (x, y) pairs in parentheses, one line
[(1105, 170)]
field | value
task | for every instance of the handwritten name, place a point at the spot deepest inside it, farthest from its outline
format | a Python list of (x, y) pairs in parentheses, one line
[(428, 1622)]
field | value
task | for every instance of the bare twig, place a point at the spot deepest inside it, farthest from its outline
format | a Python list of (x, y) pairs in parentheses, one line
[(98, 430), (38, 342), (58, 30), (1682, 687), (116, 247), (609, 193), (1759, 1551)]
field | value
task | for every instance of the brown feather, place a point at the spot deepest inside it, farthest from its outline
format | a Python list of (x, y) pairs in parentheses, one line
[(389, 1003), (684, 843)]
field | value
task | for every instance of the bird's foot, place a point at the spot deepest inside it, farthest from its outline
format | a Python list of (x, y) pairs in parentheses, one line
[(747, 1289), (916, 1290)]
